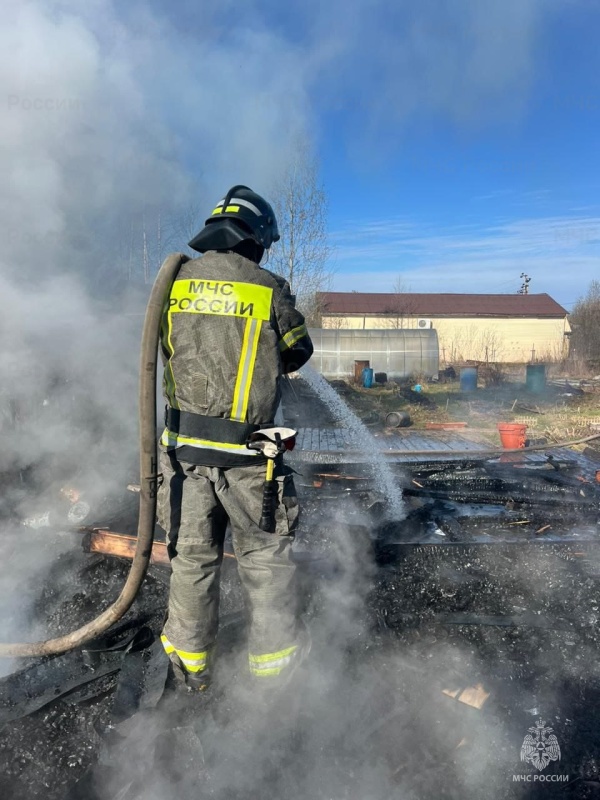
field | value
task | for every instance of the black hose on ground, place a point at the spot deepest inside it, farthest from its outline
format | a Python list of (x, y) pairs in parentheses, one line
[(148, 480)]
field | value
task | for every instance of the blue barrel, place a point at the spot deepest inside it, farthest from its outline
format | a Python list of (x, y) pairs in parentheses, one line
[(468, 379), (367, 377), (535, 380)]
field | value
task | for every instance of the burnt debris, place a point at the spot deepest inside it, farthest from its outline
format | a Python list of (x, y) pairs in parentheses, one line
[(438, 639)]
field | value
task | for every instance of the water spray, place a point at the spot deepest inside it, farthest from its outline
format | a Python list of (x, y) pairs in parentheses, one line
[(385, 478)]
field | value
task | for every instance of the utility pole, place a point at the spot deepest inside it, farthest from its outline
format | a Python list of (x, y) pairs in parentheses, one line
[(525, 285)]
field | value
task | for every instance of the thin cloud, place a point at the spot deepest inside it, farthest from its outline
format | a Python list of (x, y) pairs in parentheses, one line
[(558, 252), (492, 195)]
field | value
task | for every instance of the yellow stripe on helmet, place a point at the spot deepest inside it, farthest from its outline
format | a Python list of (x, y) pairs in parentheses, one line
[(228, 210)]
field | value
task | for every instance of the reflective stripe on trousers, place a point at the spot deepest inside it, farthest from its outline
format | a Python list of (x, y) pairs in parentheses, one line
[(269, 664), (192, 662)]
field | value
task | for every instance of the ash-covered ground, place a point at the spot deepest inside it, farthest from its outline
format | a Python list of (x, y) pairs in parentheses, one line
[(439, 644)]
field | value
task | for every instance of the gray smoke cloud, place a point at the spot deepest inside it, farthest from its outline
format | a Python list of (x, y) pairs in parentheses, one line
[(106, 118), (103, 111)]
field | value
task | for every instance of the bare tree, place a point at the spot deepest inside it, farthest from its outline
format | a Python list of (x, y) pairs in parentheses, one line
[(399, 309), (184, 224), (473, 343), (585, 322), (142, 240), (302, 254), (336, 323)]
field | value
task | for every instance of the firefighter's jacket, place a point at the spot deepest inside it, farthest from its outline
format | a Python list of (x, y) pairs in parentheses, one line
[(229, 331)]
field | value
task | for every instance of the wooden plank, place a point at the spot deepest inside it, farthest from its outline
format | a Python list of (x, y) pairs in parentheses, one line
[(301, 439), (437, 443), (450, 442), (444, 426), (114, 544), (335, 439), (432, 443), (413, 442), (468, 444), (308, 439), (474, 696), (340, 441), (123, 546), (404, 442)]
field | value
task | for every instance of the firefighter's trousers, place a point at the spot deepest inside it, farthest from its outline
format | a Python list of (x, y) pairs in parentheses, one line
[(195, 503)]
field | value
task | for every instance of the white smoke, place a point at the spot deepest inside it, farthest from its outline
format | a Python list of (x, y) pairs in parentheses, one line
[(114, 122)]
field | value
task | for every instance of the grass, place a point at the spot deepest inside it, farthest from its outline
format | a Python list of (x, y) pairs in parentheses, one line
[(553, 414)]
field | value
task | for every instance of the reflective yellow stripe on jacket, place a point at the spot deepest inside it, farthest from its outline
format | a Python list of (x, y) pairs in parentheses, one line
[(246, 364), (293, 336), (170, 439), (223, 298)]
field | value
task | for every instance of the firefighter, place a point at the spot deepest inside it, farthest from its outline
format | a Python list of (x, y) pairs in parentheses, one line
[(230, 331)]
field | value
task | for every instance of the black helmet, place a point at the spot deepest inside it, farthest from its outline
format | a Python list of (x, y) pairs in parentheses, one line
[(241, 215)]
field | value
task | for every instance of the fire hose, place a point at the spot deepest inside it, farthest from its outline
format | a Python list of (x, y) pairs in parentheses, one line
[(148, 481)]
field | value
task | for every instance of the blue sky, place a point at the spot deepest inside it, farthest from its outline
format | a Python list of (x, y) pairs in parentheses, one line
[(468, 205), (458, 139)]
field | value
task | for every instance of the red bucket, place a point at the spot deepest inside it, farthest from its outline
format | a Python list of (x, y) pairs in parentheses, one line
[(512, 435)]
